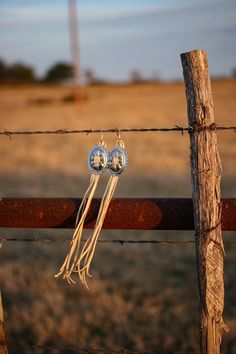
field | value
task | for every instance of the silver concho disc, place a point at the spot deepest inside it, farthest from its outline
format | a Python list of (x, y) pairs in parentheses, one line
[(98, 159), (118, 160)]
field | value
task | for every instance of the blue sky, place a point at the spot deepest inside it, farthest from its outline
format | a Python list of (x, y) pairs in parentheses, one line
[(118, 36)]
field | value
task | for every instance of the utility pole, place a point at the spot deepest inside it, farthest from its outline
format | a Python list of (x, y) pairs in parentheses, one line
[(74, 41)]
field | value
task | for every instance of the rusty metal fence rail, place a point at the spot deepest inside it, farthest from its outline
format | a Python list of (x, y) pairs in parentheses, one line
[(123, 213)]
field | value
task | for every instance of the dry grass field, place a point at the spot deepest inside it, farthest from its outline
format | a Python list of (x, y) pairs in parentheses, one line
[(142, 297)]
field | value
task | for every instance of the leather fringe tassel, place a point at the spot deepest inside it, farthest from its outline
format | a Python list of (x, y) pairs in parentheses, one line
[(83, 264), (71, 259)]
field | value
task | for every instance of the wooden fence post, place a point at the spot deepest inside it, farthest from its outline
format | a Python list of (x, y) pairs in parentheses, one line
[(205, 172), (3, 337)]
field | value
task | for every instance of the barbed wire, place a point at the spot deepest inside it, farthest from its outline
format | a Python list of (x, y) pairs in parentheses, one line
[(62, 240), (176, 128), (121, 242), (84, 350)]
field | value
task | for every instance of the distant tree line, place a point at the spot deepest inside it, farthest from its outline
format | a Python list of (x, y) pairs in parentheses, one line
[(21, 73), (16, 73), (58, 72)]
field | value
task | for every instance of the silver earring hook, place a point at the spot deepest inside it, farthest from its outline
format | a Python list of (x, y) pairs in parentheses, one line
[(118, 134), (119, 140), (101, 139)]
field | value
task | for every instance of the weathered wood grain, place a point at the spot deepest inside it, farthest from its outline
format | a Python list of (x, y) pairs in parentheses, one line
[(3, 337), (206, 179)]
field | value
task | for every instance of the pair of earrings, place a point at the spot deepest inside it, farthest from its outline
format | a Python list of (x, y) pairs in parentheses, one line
[(114, 162), (100, 161)]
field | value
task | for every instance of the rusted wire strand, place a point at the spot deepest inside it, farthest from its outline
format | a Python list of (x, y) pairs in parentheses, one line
[(72, 349), (121, 242), (176, 128)]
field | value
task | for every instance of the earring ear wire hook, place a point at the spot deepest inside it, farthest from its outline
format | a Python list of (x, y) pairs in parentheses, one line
[(119, 140), (118, 134), (101, 139)]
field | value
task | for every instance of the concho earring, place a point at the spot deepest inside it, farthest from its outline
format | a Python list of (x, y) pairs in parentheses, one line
[(117, 162), (97, 164)]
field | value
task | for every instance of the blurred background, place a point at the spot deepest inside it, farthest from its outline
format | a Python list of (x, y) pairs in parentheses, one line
[(94, 65)]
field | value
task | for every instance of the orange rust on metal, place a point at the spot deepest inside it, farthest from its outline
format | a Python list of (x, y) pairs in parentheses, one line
[(124, 213)]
